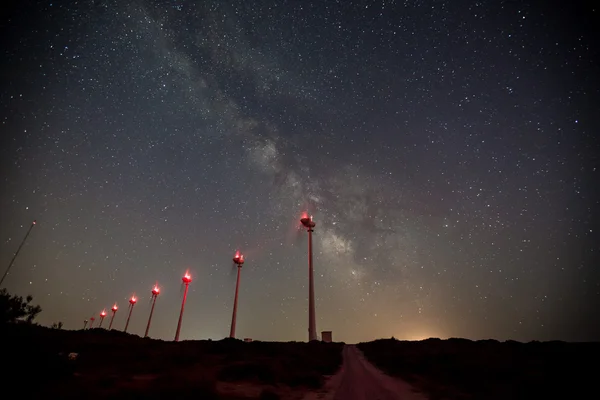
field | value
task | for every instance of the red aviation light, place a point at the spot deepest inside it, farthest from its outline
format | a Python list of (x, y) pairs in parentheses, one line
[(238, 258), (307, 220)]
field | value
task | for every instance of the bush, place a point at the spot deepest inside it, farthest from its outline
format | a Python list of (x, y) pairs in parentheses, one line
[(14, 309), (268, 394), (247, 372), (311, 380)]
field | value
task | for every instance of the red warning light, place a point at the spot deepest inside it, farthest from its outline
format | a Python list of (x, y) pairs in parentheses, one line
[(133, 299), (103, 313), (238, 258), (187, 278), (307, 220), (155, 290), (114, 308)]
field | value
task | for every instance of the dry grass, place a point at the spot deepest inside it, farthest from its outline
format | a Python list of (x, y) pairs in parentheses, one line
[(464, 369), (117, 365)]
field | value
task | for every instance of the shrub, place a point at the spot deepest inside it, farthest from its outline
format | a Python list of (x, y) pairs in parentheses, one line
[(247, 372), (268, 394), (14, 309)]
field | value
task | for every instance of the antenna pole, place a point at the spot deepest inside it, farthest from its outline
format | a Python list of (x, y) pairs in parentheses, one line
[(17, 253)]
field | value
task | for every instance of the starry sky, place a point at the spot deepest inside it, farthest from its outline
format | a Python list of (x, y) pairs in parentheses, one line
[(448, 152)]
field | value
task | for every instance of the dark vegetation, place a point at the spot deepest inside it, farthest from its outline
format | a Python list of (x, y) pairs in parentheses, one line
[(15, 309), (53, 363), (112, 364), (488, 369)]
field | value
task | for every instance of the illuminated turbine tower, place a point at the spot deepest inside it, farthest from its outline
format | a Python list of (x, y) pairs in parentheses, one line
[(132, 302), (102, 315), (312, 327), (114, 311), (239, 260), (17, 253), (155, 293), (92, 319), (186, 280)]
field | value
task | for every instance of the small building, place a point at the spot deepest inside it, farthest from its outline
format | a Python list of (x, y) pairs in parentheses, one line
[(247, 340), (326, 336)]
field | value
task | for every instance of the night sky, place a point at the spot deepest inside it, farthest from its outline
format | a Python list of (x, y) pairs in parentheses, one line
[(448, 151)]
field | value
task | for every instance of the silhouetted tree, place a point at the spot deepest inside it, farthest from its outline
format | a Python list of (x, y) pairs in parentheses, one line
[(14, 309), (57, 325)]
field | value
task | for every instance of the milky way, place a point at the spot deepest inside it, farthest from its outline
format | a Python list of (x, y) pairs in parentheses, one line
[(447, 151)]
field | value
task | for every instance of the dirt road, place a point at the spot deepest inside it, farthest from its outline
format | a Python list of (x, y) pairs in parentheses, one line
[(360, 380)]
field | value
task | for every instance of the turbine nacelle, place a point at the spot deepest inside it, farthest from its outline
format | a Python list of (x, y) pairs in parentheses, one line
[(238, 258), (114, 308), (307, 221)]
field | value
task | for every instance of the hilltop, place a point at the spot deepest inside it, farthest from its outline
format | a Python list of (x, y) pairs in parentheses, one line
[(99, 364), (113, 364)]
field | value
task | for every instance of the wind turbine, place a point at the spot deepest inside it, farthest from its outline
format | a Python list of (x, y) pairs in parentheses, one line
[(309, 224), (238, 259), (187, 278), (155, 293)]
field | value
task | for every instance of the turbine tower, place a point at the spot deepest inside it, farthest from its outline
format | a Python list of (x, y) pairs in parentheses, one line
[(238, 259), (186, 280), (85, 322), (17, 253), (102, 315), (132, 302), (92, 319), (309, 224), (155, 293), (114, 311)]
